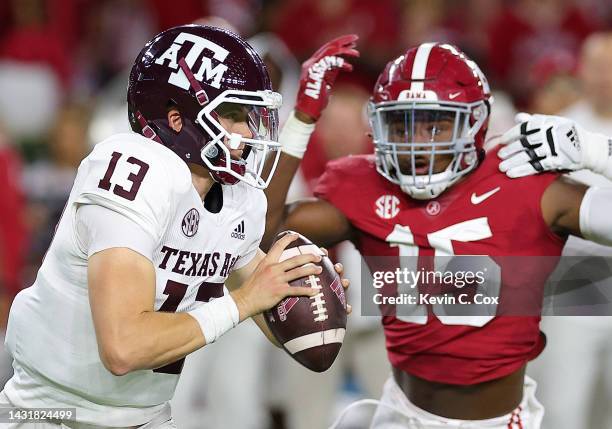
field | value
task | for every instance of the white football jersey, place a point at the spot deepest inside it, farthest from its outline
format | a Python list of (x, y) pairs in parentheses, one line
[(51, 333)]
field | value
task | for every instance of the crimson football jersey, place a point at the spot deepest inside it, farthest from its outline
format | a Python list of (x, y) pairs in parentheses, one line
[(484, 214)]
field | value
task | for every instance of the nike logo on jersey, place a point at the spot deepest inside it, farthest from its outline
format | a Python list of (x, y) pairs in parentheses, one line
[(454, 95), (239, 231), (477, 199)]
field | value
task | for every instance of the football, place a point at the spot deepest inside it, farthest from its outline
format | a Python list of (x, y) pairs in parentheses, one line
[(311, 329)]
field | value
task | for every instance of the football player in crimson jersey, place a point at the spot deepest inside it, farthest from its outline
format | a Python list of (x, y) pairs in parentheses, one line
[(430, 189), (155, 223)]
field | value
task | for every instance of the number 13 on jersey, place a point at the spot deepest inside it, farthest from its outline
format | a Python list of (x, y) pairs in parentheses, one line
[(135, 178)]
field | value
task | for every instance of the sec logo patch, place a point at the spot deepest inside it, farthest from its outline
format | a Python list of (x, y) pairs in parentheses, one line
[(387, 206), (190, 223)]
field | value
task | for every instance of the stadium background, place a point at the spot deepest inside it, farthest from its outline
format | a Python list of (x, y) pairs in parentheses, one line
[(63, 74)]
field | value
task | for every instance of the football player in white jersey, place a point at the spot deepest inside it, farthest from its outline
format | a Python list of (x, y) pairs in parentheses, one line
[(148, 237)]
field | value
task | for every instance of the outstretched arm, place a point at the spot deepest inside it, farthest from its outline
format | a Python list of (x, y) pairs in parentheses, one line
[(553, 143), (318, 75), (276, 194), (561, 204), (541, 143), (318, 220), (573, 208)]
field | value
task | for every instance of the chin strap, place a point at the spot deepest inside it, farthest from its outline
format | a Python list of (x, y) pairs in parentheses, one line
[(199, 92), (147, 131)]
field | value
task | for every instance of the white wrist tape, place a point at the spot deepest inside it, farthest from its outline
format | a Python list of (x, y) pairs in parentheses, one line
[(595, 209), (597, 153), (294, 136), (216, 317)]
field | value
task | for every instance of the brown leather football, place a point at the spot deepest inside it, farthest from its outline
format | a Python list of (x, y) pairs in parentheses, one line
[(311, 329)]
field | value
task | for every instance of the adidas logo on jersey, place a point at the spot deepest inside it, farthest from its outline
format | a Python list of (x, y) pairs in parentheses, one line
[(239, 231)]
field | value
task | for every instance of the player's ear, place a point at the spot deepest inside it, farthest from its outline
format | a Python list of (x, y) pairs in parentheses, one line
[(174, 117)]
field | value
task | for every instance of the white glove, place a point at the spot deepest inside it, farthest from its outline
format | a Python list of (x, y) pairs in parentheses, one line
[(551, 143)]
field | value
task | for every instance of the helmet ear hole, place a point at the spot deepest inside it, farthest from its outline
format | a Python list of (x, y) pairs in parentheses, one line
[(478, 113), (174, 117)]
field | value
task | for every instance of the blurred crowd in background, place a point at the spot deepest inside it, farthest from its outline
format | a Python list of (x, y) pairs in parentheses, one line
[(63, 75)]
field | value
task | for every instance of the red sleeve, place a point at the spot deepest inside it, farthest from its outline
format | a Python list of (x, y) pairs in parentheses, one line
[(328, 183), (534, 188), (529, 189), (345, 182)]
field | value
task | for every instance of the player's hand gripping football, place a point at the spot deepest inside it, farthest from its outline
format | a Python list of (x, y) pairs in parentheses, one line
[(319, 73), (269, 283), (545, 143)]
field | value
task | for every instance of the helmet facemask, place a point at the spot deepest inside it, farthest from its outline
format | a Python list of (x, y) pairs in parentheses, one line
[(256, 114), (414, 139)]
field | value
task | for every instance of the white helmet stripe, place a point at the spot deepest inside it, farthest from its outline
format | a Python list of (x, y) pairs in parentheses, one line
[(420, 66)]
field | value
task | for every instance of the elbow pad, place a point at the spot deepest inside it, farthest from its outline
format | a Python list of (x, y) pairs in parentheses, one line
[(595, 219)]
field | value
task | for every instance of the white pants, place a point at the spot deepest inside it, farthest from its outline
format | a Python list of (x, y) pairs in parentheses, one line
[(221, 385), (574, 372), (163, 421), (405, 415)]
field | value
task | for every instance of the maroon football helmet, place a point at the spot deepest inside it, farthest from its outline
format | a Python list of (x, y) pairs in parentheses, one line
[(208, 74), (430, 101)]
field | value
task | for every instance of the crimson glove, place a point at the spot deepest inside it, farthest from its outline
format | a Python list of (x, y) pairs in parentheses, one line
[(320, 71)]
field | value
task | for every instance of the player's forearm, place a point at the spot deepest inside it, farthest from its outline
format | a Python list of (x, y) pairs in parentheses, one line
[(319, 71), (276, 193), (294, 139), (151, 340)]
